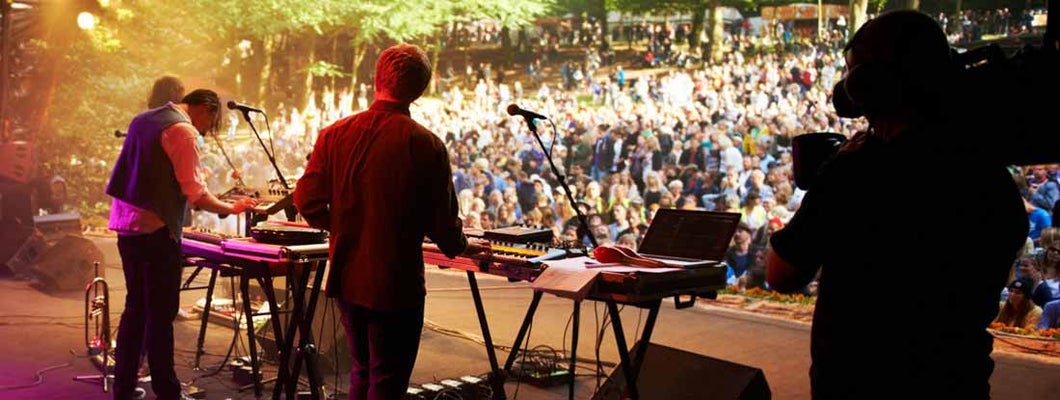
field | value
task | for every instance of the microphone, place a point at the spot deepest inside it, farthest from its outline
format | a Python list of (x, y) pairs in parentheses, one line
[(232, 105), (529, 115), (120, 134)]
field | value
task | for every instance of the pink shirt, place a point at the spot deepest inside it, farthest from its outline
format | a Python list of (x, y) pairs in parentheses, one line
[(180, 144)]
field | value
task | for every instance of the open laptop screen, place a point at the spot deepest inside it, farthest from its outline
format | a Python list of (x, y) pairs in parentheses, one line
[(693, 234)]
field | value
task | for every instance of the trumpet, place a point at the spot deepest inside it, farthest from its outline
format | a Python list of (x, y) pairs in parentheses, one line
[(97, 328)]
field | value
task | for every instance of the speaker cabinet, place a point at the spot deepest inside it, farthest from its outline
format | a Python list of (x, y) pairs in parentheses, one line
[(672, 374), (68, 264), (20, 246)]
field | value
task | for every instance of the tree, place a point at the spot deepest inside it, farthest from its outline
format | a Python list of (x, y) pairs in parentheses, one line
[(509, 14), (909, 4), (698, 9), (858, 15)]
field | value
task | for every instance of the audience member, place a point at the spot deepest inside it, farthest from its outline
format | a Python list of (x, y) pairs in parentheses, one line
[(1018, 310)]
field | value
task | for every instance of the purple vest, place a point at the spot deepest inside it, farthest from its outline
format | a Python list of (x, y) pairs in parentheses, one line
[(143, 175)]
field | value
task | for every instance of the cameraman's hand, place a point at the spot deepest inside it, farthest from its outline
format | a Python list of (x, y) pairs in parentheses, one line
[(855, 142)]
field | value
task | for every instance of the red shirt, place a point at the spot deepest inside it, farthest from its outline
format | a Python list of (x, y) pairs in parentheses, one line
[(379, 182)]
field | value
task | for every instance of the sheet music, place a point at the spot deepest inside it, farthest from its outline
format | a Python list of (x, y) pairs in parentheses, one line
[(628, 268), (567, 278), (573, 277)]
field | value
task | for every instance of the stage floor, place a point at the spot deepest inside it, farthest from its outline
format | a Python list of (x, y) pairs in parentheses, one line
[(46, 331)]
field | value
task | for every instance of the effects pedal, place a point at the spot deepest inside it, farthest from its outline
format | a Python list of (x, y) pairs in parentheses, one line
[(414, 393), (432, 390), (195, 392)]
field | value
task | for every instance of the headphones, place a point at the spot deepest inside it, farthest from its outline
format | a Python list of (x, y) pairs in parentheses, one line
[(869, 88), (882, 88)]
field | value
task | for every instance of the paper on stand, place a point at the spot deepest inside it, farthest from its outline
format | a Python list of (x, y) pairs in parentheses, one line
[(567, 278), (627, 268), (574, 277)]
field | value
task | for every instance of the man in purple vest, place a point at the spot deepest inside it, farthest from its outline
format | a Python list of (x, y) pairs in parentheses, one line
[(155, 178)]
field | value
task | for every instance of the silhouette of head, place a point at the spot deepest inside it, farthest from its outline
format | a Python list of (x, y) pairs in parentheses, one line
[(896, 62)]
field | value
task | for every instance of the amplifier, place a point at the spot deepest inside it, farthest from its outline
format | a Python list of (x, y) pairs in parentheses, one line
[(58, 224)]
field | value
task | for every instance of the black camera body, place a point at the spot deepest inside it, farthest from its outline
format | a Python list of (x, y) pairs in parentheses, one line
[(1005, 109), (810, 151), (1010, 103)]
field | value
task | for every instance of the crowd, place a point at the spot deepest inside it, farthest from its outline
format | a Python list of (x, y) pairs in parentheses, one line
[(716, 137)]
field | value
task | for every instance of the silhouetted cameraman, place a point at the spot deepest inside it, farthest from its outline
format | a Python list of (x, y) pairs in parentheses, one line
[(909, 277)]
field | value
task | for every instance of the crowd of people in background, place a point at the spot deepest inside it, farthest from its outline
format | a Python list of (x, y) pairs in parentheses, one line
[(709, 136)]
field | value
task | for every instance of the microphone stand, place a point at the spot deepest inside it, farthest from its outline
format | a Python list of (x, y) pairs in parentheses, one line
[(251, 217), (584, 228)]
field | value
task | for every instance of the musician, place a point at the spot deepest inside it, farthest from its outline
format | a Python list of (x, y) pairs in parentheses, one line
[(154, 179), (379, 182), (890, 301), (166, 89)]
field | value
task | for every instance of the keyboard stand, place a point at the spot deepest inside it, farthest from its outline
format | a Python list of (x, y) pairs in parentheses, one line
[(300, 324)]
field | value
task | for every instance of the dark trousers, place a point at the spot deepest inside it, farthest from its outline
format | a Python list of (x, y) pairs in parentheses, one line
[(383, 345), (152, 268)]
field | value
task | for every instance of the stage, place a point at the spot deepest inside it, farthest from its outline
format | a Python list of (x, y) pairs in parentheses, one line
[(46, 331)]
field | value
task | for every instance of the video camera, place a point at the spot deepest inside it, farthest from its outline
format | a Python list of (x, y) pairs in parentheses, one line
[(1001, 106)]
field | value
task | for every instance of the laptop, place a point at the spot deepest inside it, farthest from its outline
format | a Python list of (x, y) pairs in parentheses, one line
[(689, 238)]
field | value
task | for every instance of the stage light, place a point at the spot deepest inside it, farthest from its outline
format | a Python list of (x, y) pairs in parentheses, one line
[(86, 21), (104, 3)]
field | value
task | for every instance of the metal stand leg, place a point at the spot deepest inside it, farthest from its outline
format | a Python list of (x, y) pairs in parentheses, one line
[(274, 308), (645, 338), (497, 380), (307, 350), (300, 323), (623, 350), (529, 318), (244, 289), (205, 318), (631, 365), (284, 382), (574, 345)]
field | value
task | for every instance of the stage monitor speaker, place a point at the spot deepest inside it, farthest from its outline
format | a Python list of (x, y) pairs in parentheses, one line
[(672, 374), (20, 247), (58, 225), (68, 264)]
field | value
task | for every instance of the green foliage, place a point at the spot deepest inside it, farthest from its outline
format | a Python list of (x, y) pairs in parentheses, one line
[(325, 69), (101, 80), (102, 77)]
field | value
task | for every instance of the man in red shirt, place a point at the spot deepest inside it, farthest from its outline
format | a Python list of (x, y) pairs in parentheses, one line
[(379, 182)]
